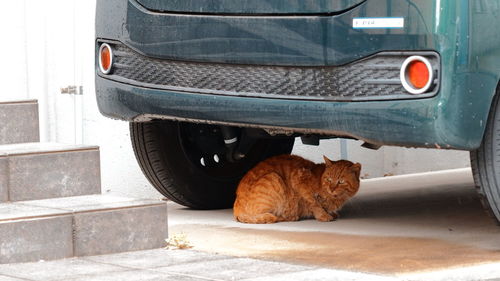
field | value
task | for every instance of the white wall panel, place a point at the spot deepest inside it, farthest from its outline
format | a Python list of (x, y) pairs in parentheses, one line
[(13, 76)]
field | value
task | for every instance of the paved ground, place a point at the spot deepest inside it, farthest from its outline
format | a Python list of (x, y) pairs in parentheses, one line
[(426, 227), (396, 226)]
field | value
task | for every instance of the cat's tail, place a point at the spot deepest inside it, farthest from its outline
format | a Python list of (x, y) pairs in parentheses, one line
[(260, 218)]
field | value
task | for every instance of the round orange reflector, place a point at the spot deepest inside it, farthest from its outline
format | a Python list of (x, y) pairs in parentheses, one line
[(418, 74), (105, 58)]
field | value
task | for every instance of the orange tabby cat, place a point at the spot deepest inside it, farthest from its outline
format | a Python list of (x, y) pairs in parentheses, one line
[(289, 187)]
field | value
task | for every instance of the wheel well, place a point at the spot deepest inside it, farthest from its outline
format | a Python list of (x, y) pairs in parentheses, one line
[(492, 107)]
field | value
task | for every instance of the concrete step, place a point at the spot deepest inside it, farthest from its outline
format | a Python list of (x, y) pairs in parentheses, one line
[(19, 122), (33, 171), (79, 226)]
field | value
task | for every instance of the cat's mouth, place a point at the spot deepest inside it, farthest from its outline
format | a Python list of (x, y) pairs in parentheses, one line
[(333, 190), (339, 193)]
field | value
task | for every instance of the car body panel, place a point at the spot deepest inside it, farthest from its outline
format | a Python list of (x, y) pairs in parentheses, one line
[(462, 32), (259, 7), (270, 40)]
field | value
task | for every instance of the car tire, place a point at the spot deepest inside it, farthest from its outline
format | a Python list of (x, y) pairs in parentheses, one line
[(173, 160), (485, 163)]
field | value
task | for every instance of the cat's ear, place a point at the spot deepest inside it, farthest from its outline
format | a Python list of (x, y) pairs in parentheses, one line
[(328, 162), (356, 168)]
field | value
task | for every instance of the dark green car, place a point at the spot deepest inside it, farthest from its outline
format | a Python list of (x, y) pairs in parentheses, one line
[(211, 87)]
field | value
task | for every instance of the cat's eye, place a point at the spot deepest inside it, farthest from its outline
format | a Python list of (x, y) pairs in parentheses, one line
[(341, 181)]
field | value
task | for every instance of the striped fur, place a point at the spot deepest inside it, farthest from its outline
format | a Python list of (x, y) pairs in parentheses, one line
[(290, 188)]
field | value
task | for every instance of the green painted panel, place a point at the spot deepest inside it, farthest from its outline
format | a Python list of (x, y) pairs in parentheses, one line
[(463, 32), (261, 7)]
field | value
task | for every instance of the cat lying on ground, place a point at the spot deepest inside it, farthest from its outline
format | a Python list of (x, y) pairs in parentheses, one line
[(290, 188)]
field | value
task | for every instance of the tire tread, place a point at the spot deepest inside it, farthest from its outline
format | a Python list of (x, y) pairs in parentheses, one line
[(148, 157), (151, 156), (484, 169)]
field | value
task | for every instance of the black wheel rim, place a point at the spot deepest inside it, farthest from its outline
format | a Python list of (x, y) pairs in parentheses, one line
[(204, 147)]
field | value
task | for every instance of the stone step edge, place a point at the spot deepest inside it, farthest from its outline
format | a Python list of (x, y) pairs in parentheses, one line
[(48, 152), (62, 206), (76, 148), (70, 213), (28, 101)]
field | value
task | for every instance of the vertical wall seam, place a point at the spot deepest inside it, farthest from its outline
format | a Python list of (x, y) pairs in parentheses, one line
[(7, 177), (26, 70), (73, 234)]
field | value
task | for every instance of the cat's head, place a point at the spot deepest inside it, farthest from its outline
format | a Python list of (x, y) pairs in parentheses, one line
[(340, 178)]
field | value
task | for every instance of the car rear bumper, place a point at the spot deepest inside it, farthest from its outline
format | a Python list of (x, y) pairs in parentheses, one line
[(373, 78), (453, 117), (413, 123)]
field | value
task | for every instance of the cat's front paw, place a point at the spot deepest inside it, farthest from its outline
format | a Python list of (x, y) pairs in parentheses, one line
[(324, 218), (334, 215)]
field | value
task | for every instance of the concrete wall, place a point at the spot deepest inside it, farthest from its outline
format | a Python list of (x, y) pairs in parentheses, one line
[(51, 45), (386, 161)]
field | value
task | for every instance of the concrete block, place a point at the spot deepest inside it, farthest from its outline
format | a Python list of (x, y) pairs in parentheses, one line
[(139, 275), (40, 171), (152, 259), (57, 270), (36, 239), (230, 269), (120, 230), (19, 121), (321, 274), (82, 225)]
